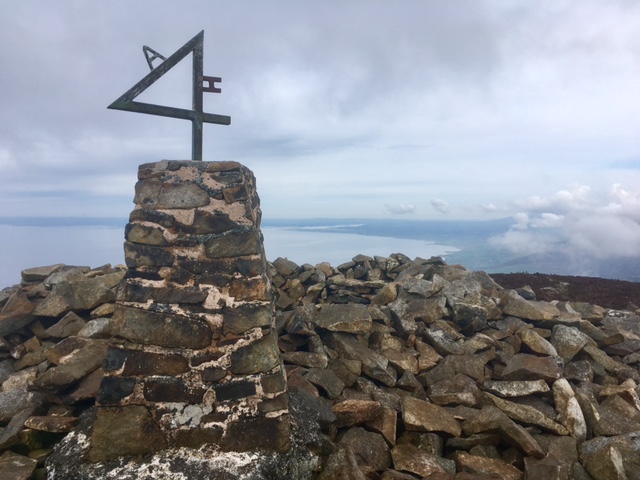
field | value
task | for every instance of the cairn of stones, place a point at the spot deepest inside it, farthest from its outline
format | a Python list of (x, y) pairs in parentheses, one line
[(196, 359)]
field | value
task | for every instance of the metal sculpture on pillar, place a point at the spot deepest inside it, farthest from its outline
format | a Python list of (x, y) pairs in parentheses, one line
[(196, 114)]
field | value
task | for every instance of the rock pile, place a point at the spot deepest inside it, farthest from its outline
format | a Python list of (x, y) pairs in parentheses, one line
[(397, 370)]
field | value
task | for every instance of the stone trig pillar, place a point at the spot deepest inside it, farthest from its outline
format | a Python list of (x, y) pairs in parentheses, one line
[(195, 358)]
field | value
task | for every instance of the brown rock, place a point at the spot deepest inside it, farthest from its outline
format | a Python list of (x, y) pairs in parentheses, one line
[(492, 420), (16, 313), (516, 388), (355, 412), (422, 416), (487, 466), (386, 424), (350, 318), (369, 447), (260, 356), (16, 467), (460, 390), (51, 424), (408, 458), (341, 464), (530, 367), (124, 431)]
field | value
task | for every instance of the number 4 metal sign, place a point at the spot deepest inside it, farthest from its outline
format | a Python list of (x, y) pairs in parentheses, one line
[(196, 115)]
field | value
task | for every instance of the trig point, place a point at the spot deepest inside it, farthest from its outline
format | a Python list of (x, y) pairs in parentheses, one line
[(194, 360)]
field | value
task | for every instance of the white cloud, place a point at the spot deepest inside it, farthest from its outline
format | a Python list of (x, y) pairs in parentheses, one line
[(400, 208), (440, 205), (591, 225)]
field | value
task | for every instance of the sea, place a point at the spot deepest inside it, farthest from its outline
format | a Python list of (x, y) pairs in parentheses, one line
[(93, 242)]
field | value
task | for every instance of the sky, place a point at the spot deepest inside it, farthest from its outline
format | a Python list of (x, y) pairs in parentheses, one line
[(414, 109)]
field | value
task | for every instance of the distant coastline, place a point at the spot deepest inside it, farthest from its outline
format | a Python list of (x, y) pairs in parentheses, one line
[(92, 241)]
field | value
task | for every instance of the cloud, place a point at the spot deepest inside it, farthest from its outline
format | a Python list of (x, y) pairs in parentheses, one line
[(440, 205), (400, 208), (601, 227)]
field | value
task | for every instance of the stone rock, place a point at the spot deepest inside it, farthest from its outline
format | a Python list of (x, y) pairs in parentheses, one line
[(327, 380), (16, 467), (14, 401), (356, 412), (16, 313), (284, 266), (369, 447), (488, 466), (70, 324), (421, 416), (351, 318), (374, 365), (260, 356), (78, 295), (517, 306), (515, 388), (157, 194), (74, 367), (306, 359), (341, 464), (492, 420), (460, 390), (386, 424), (51, 423), (569, 412), (568, 341), (526, 414), (408, 458), (124, 431), (529, 367), (161, 329), (536, 343), (39, 274)]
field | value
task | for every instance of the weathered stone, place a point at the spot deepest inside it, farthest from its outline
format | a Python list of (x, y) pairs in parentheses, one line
[(87, 388), (99, 328), (235, 390), (148, 363), (460, 390), (14, 401), (568, 341), (374, 365), (526, 414), (351, 318), (517, 306), (569, 412), (124, 431), (492, 420), (260, 356), (306, 359), (422, 416), (16, 313), (403, 360), (16, 467), (488, 466), (39, 274), (536, 343), (386, 295), (70, 324), (77, 295), (369, 447), (356, 412), (530, 367), (341, 464), (51, 424), (471, 318), (248, 434), (157, 194), (327, 380), (74, 367), (284, 266), (161, 329), (241, 319), (386, 424), (234, 245), (170, 389), (408, 458), (516, 388)]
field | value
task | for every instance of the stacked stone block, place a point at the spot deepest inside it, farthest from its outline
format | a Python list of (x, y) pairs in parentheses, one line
[(195, 359)]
